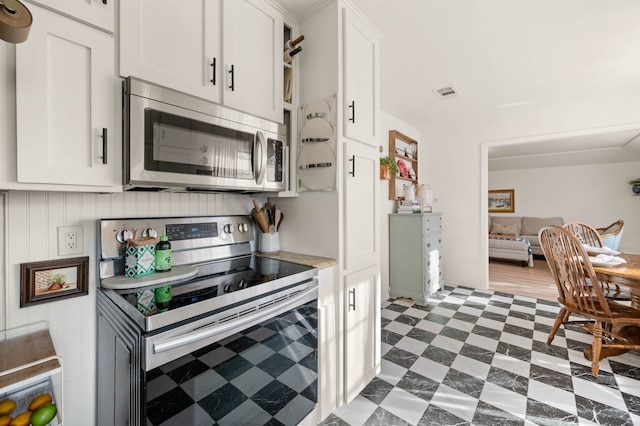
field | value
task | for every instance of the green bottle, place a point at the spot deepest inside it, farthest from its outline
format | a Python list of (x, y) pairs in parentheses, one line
[(163, 254), (163, 297)]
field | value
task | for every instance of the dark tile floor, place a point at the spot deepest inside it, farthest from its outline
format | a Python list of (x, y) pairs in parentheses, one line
[(477, 357)]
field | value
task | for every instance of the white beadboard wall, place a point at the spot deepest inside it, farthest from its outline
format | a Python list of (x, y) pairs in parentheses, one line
[(30, 234)]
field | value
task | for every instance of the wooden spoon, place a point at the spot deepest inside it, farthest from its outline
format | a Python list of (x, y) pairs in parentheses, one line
[(258, 216)]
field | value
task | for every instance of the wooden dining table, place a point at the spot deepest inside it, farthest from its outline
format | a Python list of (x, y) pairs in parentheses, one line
[(625, 275)]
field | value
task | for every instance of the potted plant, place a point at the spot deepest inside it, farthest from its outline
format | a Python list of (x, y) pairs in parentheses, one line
[(388, 167), (635, 186), (57, 281)]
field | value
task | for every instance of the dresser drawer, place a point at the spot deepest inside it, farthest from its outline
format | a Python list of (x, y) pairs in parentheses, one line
[(431, 223)]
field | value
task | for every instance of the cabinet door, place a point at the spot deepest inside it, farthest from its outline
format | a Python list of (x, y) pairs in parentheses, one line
[(253, 34), (361, 57), (176, 47), (432, 262), (362, 234), (65, 104), (362, 331), (96, 12)]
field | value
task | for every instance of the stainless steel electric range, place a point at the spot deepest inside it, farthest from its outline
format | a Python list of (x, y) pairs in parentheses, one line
[(236, 344)]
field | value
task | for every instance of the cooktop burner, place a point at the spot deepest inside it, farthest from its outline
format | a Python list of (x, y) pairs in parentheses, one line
[(248, 272)]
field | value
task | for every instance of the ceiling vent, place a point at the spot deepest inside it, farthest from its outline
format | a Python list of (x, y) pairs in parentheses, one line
[(446, 92)]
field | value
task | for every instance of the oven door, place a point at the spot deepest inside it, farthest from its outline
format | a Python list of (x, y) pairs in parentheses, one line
[(255, 367)]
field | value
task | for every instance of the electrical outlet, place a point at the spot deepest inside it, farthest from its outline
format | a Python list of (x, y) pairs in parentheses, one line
[(70, 240)]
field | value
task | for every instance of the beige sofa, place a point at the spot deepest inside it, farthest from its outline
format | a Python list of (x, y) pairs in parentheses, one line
[(506, 235)]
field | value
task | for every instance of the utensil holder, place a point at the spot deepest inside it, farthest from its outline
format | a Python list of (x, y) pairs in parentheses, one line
[(269, 243)]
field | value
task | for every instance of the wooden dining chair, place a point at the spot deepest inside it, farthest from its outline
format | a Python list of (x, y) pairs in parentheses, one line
[(573, 274), (612, 234), (590, 236), (585, 233)]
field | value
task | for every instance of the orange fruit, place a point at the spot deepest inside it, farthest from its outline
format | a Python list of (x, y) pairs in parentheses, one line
[(39, 401), (7, 406), (23, 419), (5, 420)]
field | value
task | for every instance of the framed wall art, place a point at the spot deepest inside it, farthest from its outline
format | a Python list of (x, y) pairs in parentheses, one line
[(501, 201), (53, 280)]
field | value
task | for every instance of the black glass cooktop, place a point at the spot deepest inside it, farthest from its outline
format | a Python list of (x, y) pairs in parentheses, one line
[(214, 279)]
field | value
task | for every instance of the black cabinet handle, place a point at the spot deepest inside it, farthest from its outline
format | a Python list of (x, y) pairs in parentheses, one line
[(104, 145), (352, 299), (104, 1), (353, 166), (352, 107), (213, 68), (232, 72)]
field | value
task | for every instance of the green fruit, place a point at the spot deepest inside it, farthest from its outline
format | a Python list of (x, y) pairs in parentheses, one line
[(43, 415)]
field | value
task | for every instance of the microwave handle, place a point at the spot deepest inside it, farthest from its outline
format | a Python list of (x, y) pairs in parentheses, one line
[(260, 159)]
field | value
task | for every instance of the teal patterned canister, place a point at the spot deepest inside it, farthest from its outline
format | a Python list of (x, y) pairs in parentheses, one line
[(140, 261)]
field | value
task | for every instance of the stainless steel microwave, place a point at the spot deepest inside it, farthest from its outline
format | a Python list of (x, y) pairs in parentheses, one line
[(177, 142)]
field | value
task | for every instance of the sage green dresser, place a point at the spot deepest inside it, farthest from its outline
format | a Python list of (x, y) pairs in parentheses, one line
[(415, 260)]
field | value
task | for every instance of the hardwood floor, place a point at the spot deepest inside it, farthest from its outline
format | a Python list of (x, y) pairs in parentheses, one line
[(510, 277)]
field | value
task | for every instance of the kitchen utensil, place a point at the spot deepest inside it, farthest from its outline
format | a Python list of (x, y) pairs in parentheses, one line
[(259, 217), (279, 221), (317, 130), (271, 209), (319, 178), (317, 108)]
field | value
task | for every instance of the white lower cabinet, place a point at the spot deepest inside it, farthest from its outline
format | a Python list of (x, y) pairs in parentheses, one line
[(415, 258), (66, 104), (361, 329), (327, 344)]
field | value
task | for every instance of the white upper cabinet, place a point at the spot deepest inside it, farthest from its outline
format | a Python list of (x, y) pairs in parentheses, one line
[(95, 12), (225, 51), (361, 76), (252, 45), (176, 45), (65, 105)]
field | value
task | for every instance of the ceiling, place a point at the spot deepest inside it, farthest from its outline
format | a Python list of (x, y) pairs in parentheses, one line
[(505, 58)]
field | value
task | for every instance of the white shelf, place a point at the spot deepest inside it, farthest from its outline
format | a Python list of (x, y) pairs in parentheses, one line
[(176, 275), (28, 361)]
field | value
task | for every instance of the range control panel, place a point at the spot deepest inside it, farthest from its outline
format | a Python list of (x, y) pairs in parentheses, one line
[(184, 233), (192, 231)]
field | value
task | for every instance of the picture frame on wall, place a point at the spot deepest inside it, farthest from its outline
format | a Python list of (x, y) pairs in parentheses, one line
[(52, 280), (501, 201)]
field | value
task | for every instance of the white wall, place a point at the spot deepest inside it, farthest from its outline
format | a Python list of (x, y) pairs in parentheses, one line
[(31, 224), (595, 194), (456, 169), (388, 123)]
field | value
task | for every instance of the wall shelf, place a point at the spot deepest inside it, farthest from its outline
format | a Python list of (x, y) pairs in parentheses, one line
[(398, 146)]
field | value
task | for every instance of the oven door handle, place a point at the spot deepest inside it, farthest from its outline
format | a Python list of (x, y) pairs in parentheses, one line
[(260, 161), (214, 330)]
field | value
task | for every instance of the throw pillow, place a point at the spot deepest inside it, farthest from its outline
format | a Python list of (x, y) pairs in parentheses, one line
[(512, 229)]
